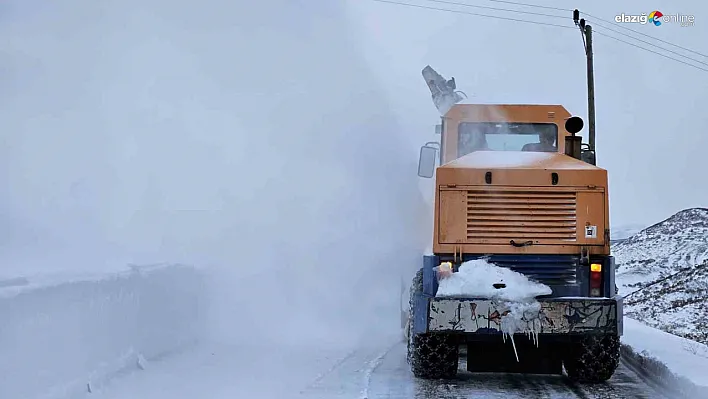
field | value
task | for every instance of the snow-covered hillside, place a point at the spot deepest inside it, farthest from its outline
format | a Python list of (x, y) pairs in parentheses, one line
[(621, 233), (676, 304), (664, 271)]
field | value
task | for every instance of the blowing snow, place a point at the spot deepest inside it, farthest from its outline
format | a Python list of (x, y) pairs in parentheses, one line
[(512, 290)]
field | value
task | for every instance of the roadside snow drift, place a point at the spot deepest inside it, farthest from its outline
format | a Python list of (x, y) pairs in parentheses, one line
[(61, 338), (481, 279), (684, 358)]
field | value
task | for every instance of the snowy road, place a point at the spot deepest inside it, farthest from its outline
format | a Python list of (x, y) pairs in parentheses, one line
[(370, 372), (389, 377)]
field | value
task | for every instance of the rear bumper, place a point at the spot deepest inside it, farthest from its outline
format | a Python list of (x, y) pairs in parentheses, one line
[(482, 316)]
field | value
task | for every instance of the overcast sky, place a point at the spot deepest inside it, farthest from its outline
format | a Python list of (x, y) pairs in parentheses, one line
[(651, 133)]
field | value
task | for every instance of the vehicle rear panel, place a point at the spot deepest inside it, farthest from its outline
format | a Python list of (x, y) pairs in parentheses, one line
[(543, 210)]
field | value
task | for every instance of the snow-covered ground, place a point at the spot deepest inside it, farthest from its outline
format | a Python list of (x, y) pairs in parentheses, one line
[(685, 358), (217, 371), (376, 368), (61, 336)]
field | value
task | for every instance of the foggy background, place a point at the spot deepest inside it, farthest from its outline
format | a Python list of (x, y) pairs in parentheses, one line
[(275, 143)]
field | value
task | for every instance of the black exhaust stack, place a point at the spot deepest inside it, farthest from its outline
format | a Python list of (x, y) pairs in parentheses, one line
[(573, 143)]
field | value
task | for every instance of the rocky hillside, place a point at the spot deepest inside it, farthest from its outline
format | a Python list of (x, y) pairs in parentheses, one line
[(677, 304), (664, 271), (662, 249)]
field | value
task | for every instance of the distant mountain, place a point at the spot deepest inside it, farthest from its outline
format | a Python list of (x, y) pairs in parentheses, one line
[(621, 233), (659, 250), (664, 268)]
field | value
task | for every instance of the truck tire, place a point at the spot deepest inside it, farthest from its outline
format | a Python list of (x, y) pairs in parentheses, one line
[(431, 356), (593, 359)]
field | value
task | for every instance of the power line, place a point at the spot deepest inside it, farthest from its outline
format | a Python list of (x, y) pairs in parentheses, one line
[(593, 19), (496, 8), (651, 44), (545, 24), (472, 13), (600, 21), (531, 5), (651, 51)]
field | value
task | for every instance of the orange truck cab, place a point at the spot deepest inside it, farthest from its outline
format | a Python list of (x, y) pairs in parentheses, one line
[(514, 187)]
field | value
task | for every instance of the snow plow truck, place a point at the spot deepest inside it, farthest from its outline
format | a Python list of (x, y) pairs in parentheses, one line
[(516, 187)]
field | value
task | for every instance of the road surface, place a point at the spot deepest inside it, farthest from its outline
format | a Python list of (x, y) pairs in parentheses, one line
[(388, 376), (371, 371)]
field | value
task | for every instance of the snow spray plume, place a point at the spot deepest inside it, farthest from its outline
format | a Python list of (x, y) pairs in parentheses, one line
[(246, 137)]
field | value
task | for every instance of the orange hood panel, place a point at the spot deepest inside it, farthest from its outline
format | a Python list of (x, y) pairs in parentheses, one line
[(518, 168)]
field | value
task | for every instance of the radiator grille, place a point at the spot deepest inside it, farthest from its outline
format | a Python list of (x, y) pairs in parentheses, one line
[(552, 271), (521, 215)]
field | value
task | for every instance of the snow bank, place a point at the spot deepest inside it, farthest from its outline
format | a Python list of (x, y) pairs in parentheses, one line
[(58, 338), (683, 357), (515, 292)]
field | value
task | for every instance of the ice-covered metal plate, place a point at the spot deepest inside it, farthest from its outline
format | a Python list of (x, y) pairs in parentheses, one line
[(554, 317)]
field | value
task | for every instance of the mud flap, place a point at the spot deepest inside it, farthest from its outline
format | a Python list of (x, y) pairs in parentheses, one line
[(499, 357)]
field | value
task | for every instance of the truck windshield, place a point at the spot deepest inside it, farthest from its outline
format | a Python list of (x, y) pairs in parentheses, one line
[(492, 136)]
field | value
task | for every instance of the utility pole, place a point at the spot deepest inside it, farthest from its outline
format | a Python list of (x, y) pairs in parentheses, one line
[(586, 32)]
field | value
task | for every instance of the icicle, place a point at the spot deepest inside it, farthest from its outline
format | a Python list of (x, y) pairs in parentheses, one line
[(537, 330), (514, 345)]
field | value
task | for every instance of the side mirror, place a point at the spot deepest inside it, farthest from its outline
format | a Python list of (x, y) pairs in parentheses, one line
[(574, 124), (426, 162)]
